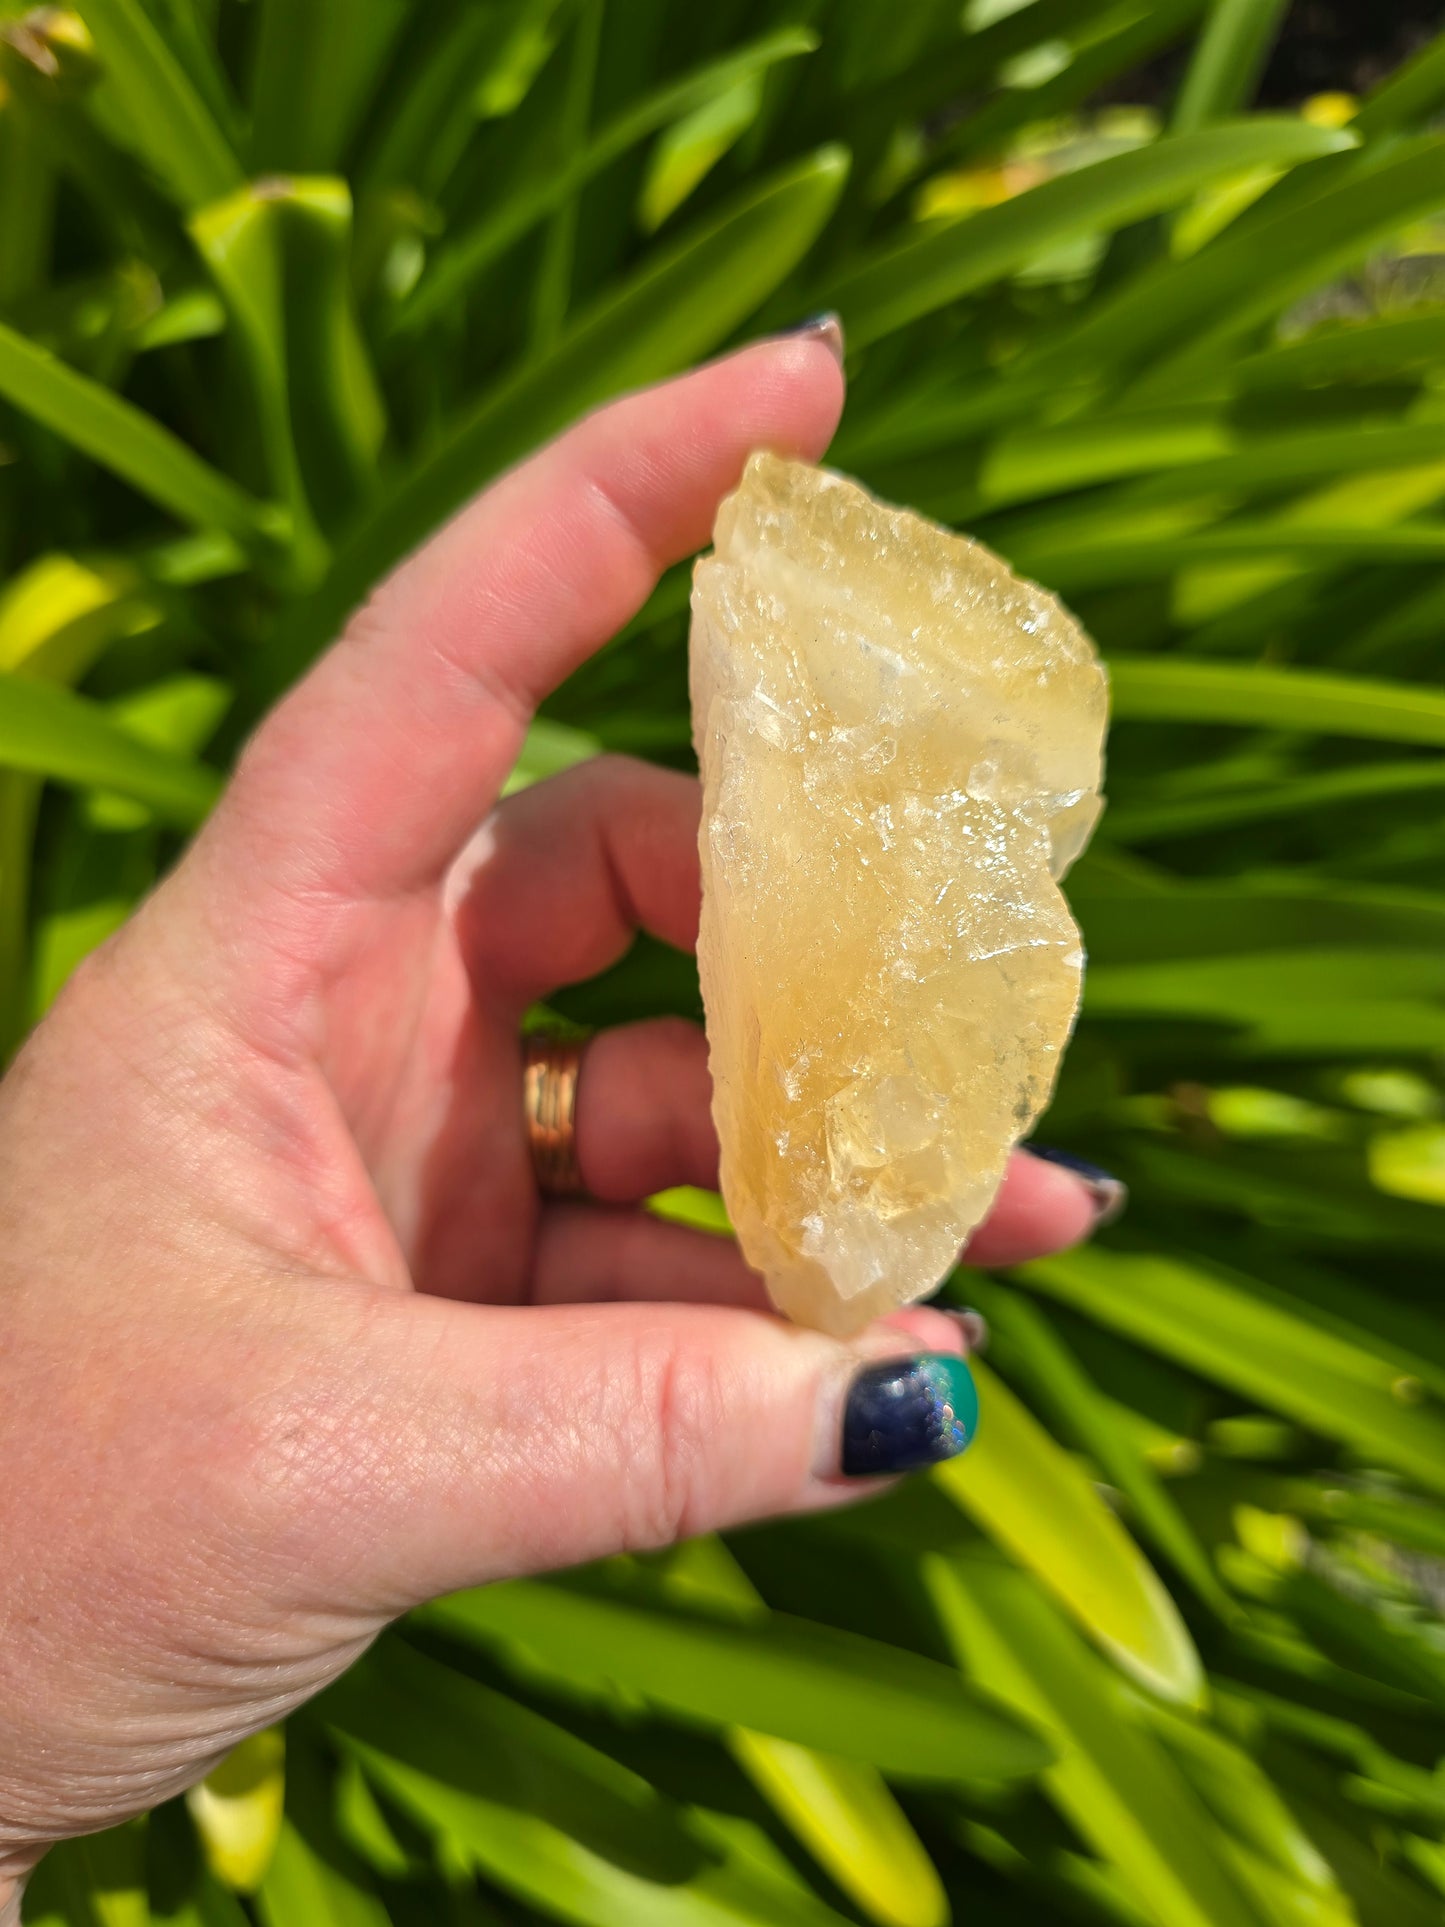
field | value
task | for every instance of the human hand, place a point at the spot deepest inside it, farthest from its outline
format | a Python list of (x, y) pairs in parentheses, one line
[(288, 1341)]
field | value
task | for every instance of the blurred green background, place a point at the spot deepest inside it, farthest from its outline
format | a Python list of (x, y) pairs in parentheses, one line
[(282, 281)]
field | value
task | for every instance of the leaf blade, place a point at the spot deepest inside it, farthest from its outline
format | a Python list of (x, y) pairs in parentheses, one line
[(1113, 1781), (1211, 1322), (923, 272), (1268, 698), (167, 119), (797, 1681), (1030, 1497), (50, 732), (460, 262), (125, 440)]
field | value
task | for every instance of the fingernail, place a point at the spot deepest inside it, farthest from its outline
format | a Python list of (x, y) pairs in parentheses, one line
[(903, 1413), (826, 328), (971, 1323), (1109, 1194)]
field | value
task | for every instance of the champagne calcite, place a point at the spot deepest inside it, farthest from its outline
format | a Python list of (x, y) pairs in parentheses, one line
[(901, 748)]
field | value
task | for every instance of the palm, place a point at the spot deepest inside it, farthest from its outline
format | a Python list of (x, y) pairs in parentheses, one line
[(403, 1023), (430, 1096)]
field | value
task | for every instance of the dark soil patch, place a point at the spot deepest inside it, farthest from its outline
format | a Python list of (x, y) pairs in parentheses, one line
[(1324, 46)]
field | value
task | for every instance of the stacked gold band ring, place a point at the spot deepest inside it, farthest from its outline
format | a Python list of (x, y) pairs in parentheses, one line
[(550, 1069)]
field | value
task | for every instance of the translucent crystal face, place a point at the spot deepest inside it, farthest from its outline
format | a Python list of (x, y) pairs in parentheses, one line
[(901, 749)]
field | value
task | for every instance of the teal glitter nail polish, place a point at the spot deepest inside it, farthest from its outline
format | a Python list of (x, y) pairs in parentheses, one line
[(903, 1413)]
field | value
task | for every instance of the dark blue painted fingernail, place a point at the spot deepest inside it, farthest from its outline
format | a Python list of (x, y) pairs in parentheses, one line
[(826, 328), (1109, 1194), (903, 1413)]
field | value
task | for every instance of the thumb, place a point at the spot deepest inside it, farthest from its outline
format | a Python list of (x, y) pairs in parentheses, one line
[(494, 1441)]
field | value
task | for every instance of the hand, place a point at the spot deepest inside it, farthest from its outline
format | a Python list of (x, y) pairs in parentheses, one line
[(288, 1342)]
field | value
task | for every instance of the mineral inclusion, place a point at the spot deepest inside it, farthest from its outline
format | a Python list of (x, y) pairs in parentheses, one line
[(901, 748)]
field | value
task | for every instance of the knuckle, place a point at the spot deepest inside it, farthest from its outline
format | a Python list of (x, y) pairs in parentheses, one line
[(678, 1395)]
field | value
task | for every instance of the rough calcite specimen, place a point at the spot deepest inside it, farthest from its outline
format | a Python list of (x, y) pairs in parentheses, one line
[(901, 750)]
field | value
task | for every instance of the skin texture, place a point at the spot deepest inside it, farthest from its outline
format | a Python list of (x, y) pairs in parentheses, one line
[(287, 1341)]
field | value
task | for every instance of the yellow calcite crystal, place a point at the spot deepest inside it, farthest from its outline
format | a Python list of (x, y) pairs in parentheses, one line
[(901, 746)]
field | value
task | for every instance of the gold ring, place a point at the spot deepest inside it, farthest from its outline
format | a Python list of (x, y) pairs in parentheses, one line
[(550, 1068)]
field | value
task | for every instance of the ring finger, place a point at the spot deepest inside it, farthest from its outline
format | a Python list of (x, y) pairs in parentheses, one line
[(643, 1117)]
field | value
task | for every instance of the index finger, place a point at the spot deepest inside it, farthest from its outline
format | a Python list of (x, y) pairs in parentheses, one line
[(388, 755)]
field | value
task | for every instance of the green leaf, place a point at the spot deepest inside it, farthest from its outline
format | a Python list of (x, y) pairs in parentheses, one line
[(542, 1814), (1380, 1890), (1075, 563), (1249, 274), (166, 119), (317, 63), (461, 261), (1199, 460), (1094, 45), (1046, 460), (680, 303), (303, 1889), (98, 1881), (1374, 350), (27, 203), (482, 62), (1368, 1635), (58, 616), (1298, 796), (844, 1814), (925, 271), (1238, 916), (1242, 1798), (1219, 1324), (549, 748), (88, 886), (1112, 1779), (1405, 1521), (1059, 1383), (129, 443), (1410, 1163), (809, 1684), (964, 57), (552, 284), (183, 1890), (1288, 1002), (280, 254), (336, 406), (52, 733), (178, 713), (1033, 1499), (841, 1810), (1180, 690), (1227, 61), (687, 153), (19, 803), (114, 1863), (1407, 97), (237, 1809)]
